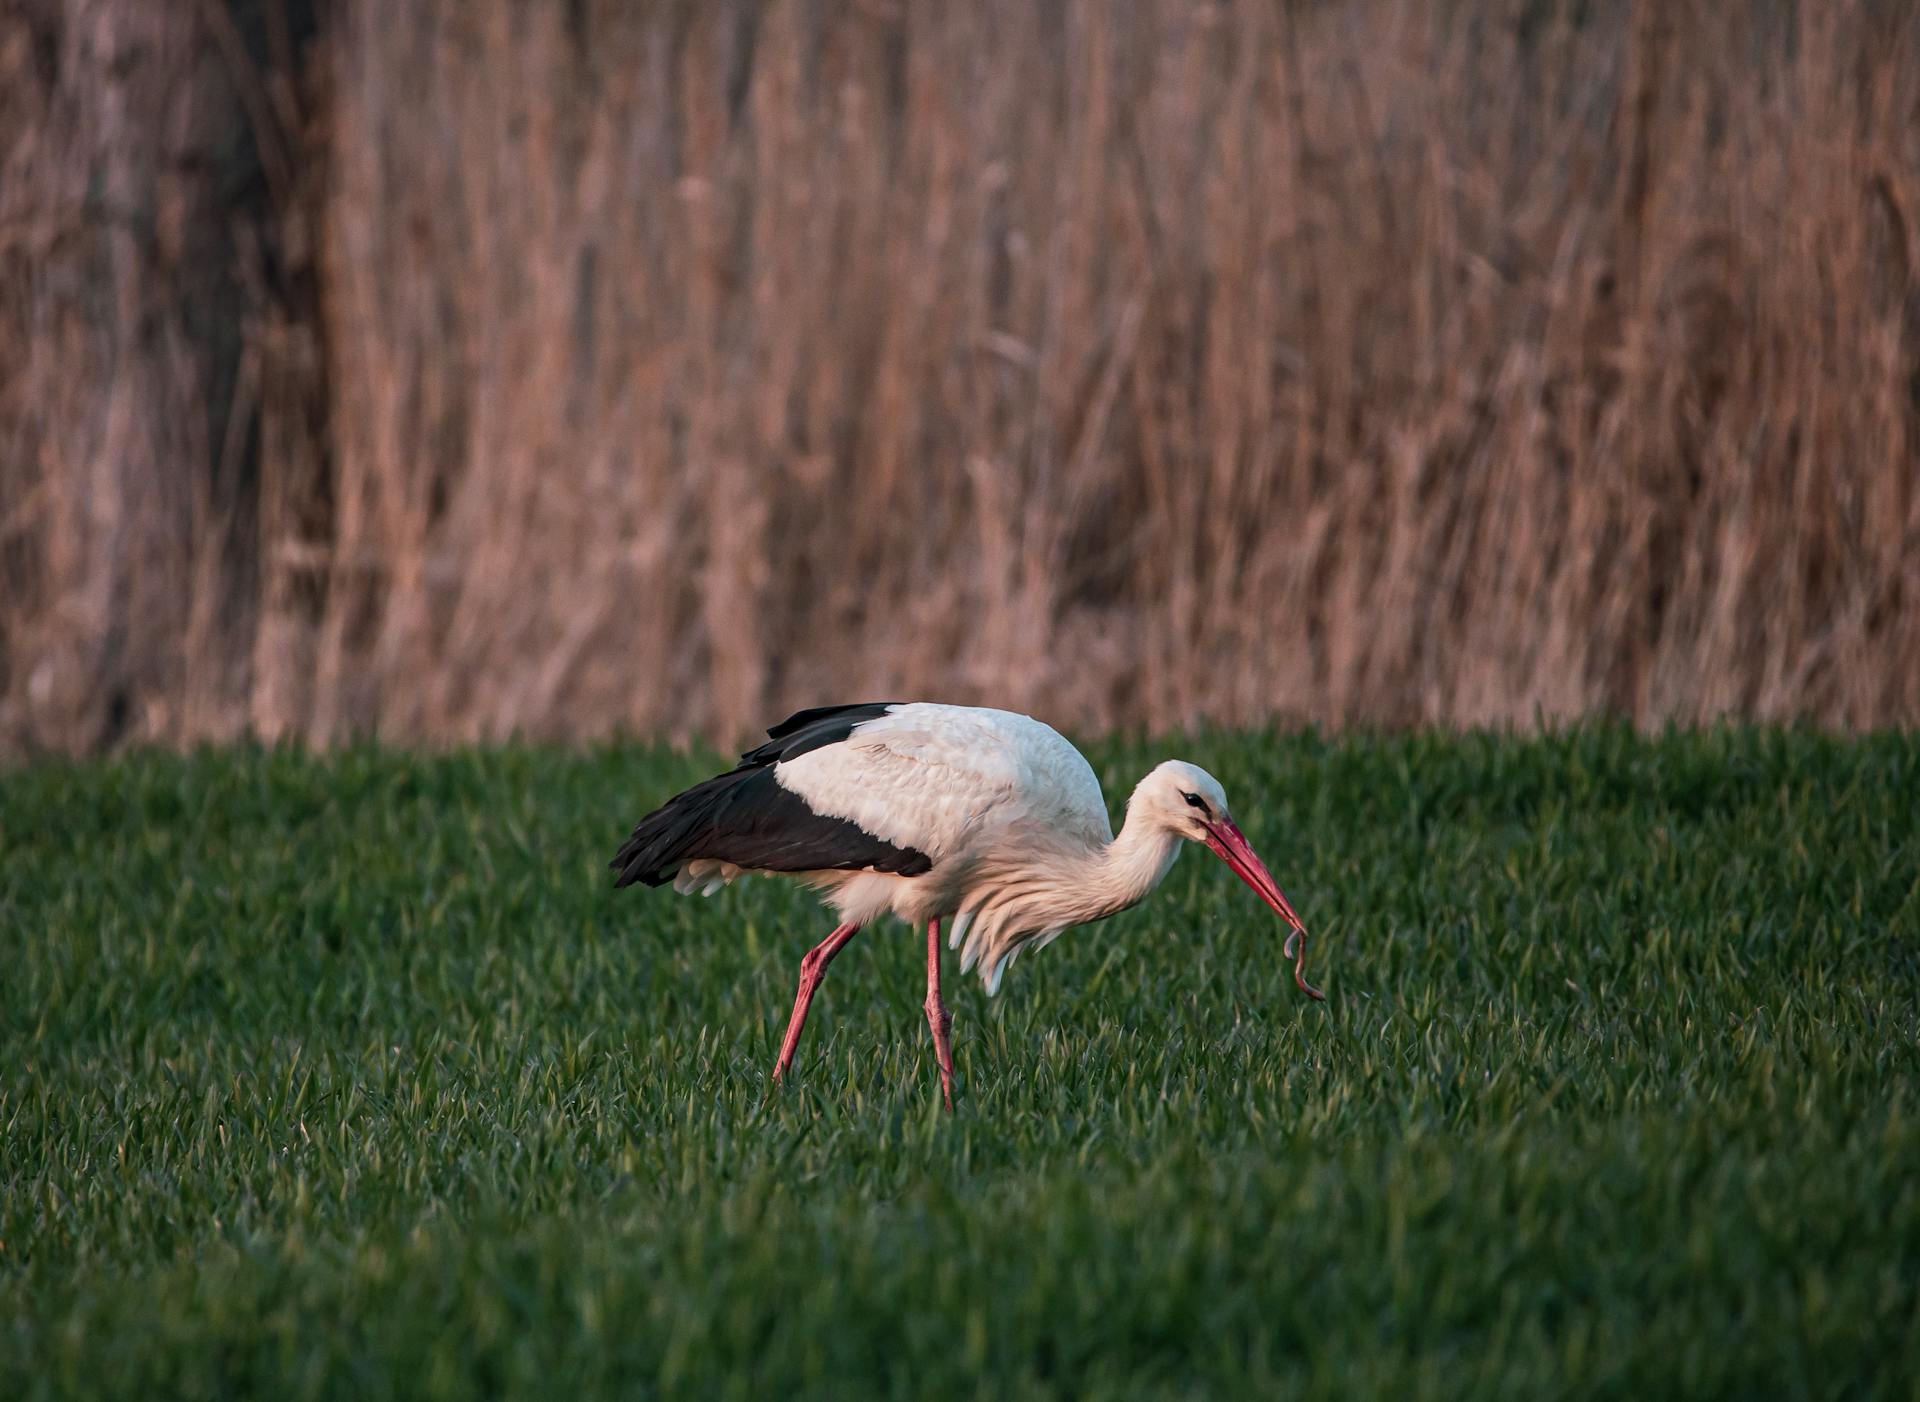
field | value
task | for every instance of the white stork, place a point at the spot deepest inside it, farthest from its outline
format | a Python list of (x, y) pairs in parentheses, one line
[(986, 819)]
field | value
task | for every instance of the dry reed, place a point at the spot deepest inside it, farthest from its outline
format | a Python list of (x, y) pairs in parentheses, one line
[(604, 368)]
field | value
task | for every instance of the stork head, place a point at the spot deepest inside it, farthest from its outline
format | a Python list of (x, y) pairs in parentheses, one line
[(1186, 800)]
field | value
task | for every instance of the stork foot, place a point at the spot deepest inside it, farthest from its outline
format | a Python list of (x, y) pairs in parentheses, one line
[(941, 1021)]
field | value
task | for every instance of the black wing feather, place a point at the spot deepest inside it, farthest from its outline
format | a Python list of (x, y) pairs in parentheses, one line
[(804, 731), (746, 818)]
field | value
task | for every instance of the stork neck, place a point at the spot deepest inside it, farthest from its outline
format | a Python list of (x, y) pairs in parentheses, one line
[(1135, 862)]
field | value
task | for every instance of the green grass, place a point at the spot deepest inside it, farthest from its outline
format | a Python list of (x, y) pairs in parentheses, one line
[(351, 1077)]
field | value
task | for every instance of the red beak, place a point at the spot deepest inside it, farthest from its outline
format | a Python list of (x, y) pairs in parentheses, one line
[(1231, 846)]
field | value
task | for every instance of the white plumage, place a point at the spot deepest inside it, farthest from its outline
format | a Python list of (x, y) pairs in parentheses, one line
[(999, 801)]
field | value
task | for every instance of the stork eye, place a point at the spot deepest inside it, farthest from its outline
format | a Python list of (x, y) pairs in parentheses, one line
[(1195, 801)]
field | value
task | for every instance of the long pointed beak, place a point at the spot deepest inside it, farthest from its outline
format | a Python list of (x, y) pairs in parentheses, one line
[(1230, 845)]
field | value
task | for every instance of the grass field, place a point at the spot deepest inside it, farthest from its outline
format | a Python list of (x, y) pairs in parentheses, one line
[(350, 1077)]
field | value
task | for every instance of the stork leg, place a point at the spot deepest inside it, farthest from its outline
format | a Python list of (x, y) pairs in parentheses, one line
[(938, 1018), (813, 968)]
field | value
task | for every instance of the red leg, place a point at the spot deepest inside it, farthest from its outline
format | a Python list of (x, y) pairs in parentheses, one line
[(938, 1018), (813, 968)]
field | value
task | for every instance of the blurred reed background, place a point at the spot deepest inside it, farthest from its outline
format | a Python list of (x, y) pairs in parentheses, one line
[(447, 369)]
